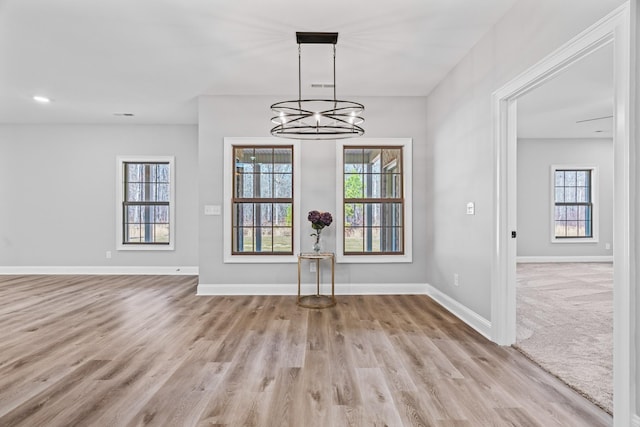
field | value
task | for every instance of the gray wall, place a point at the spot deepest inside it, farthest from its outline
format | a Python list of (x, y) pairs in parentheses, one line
[(535, 156), (57, 192), (459, 138), (224, 116)]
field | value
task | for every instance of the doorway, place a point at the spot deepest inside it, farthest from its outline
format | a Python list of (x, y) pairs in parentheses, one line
[(612, 29), (564, 273)]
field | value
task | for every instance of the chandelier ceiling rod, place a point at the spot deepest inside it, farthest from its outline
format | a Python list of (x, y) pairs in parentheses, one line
[(300, 72), (315, 38), (334, 72)]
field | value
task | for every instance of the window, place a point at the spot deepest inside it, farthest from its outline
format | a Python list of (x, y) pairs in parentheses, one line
[(573, 203), (146, 208), (262, 206), (260, 180), (374, 201)]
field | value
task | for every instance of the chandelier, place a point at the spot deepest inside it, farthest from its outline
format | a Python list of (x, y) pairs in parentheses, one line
[(317, 118)]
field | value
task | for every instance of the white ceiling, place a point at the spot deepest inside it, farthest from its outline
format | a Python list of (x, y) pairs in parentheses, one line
[(577, 103), (154, 58)]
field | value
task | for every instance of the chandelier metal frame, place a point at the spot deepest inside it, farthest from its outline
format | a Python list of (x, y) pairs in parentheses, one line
[(317, 118)]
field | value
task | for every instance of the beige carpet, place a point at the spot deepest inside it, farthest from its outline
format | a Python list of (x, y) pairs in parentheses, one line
[(565, 324)]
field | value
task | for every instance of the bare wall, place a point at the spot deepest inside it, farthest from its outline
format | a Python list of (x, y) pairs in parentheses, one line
[(249, 116), (459, 135), (535, 156), (58, 183)]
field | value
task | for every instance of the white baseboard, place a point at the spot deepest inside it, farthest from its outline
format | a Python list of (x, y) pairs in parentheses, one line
[(292, 289), (107, 270), (529, 259), (635, 420), (468, 316)]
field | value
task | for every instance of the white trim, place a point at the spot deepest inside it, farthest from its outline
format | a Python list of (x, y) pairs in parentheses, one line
[(468, 316), (569, 241), (544, 259), (119, 199), (625, 220), (407, 176), (595, 203), (635, 421), (229, 142), (116, 270), (292, 289), (613, 28)]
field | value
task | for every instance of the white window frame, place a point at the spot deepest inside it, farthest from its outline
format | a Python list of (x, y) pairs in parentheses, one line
[(595, 203), (229, 143), (407, 176), (120, 177)]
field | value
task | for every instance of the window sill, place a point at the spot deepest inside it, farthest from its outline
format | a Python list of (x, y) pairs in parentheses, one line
[(576, 240), (260, 259), (122, 247), (371, 259)]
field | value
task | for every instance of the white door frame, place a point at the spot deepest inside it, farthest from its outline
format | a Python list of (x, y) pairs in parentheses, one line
[(612, 29)]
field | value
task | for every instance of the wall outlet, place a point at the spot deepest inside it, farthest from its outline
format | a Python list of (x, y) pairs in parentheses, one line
[(607, 246), (456, 279), (212, 210), (471, 208), (108, 254), (312, 267)]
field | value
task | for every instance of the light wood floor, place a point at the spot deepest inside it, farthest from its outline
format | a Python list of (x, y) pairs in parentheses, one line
[(145, 350)]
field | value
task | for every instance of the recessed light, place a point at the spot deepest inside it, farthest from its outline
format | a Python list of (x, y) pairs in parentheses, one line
[(41, 99)]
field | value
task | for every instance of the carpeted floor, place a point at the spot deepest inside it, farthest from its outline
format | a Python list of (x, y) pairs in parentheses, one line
[(565, 324)]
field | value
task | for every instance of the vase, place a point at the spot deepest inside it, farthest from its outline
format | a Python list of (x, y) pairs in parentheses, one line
[(317, 242)]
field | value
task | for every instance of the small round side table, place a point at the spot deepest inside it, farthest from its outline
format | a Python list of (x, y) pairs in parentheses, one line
[(318, 300)]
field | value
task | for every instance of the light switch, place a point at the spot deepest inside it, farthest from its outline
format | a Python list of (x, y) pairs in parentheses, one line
[(212, 210), (471, 208)]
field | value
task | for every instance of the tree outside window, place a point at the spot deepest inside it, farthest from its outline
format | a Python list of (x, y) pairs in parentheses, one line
[(262, 205), (373, 200), (573, 207)]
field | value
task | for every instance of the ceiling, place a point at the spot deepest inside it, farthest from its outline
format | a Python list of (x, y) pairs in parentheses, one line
[(153, 58), (577, 103), (98, 60)]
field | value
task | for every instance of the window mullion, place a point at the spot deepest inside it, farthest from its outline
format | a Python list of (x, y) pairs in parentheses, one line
[(370, 220), (146, 188), (574, 184), (254, 176)]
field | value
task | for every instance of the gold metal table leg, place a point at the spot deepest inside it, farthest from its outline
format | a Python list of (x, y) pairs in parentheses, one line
[(299, 260), (317, 276), (318, 300)]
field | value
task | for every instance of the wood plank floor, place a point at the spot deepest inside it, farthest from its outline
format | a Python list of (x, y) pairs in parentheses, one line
[(145, 350)]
